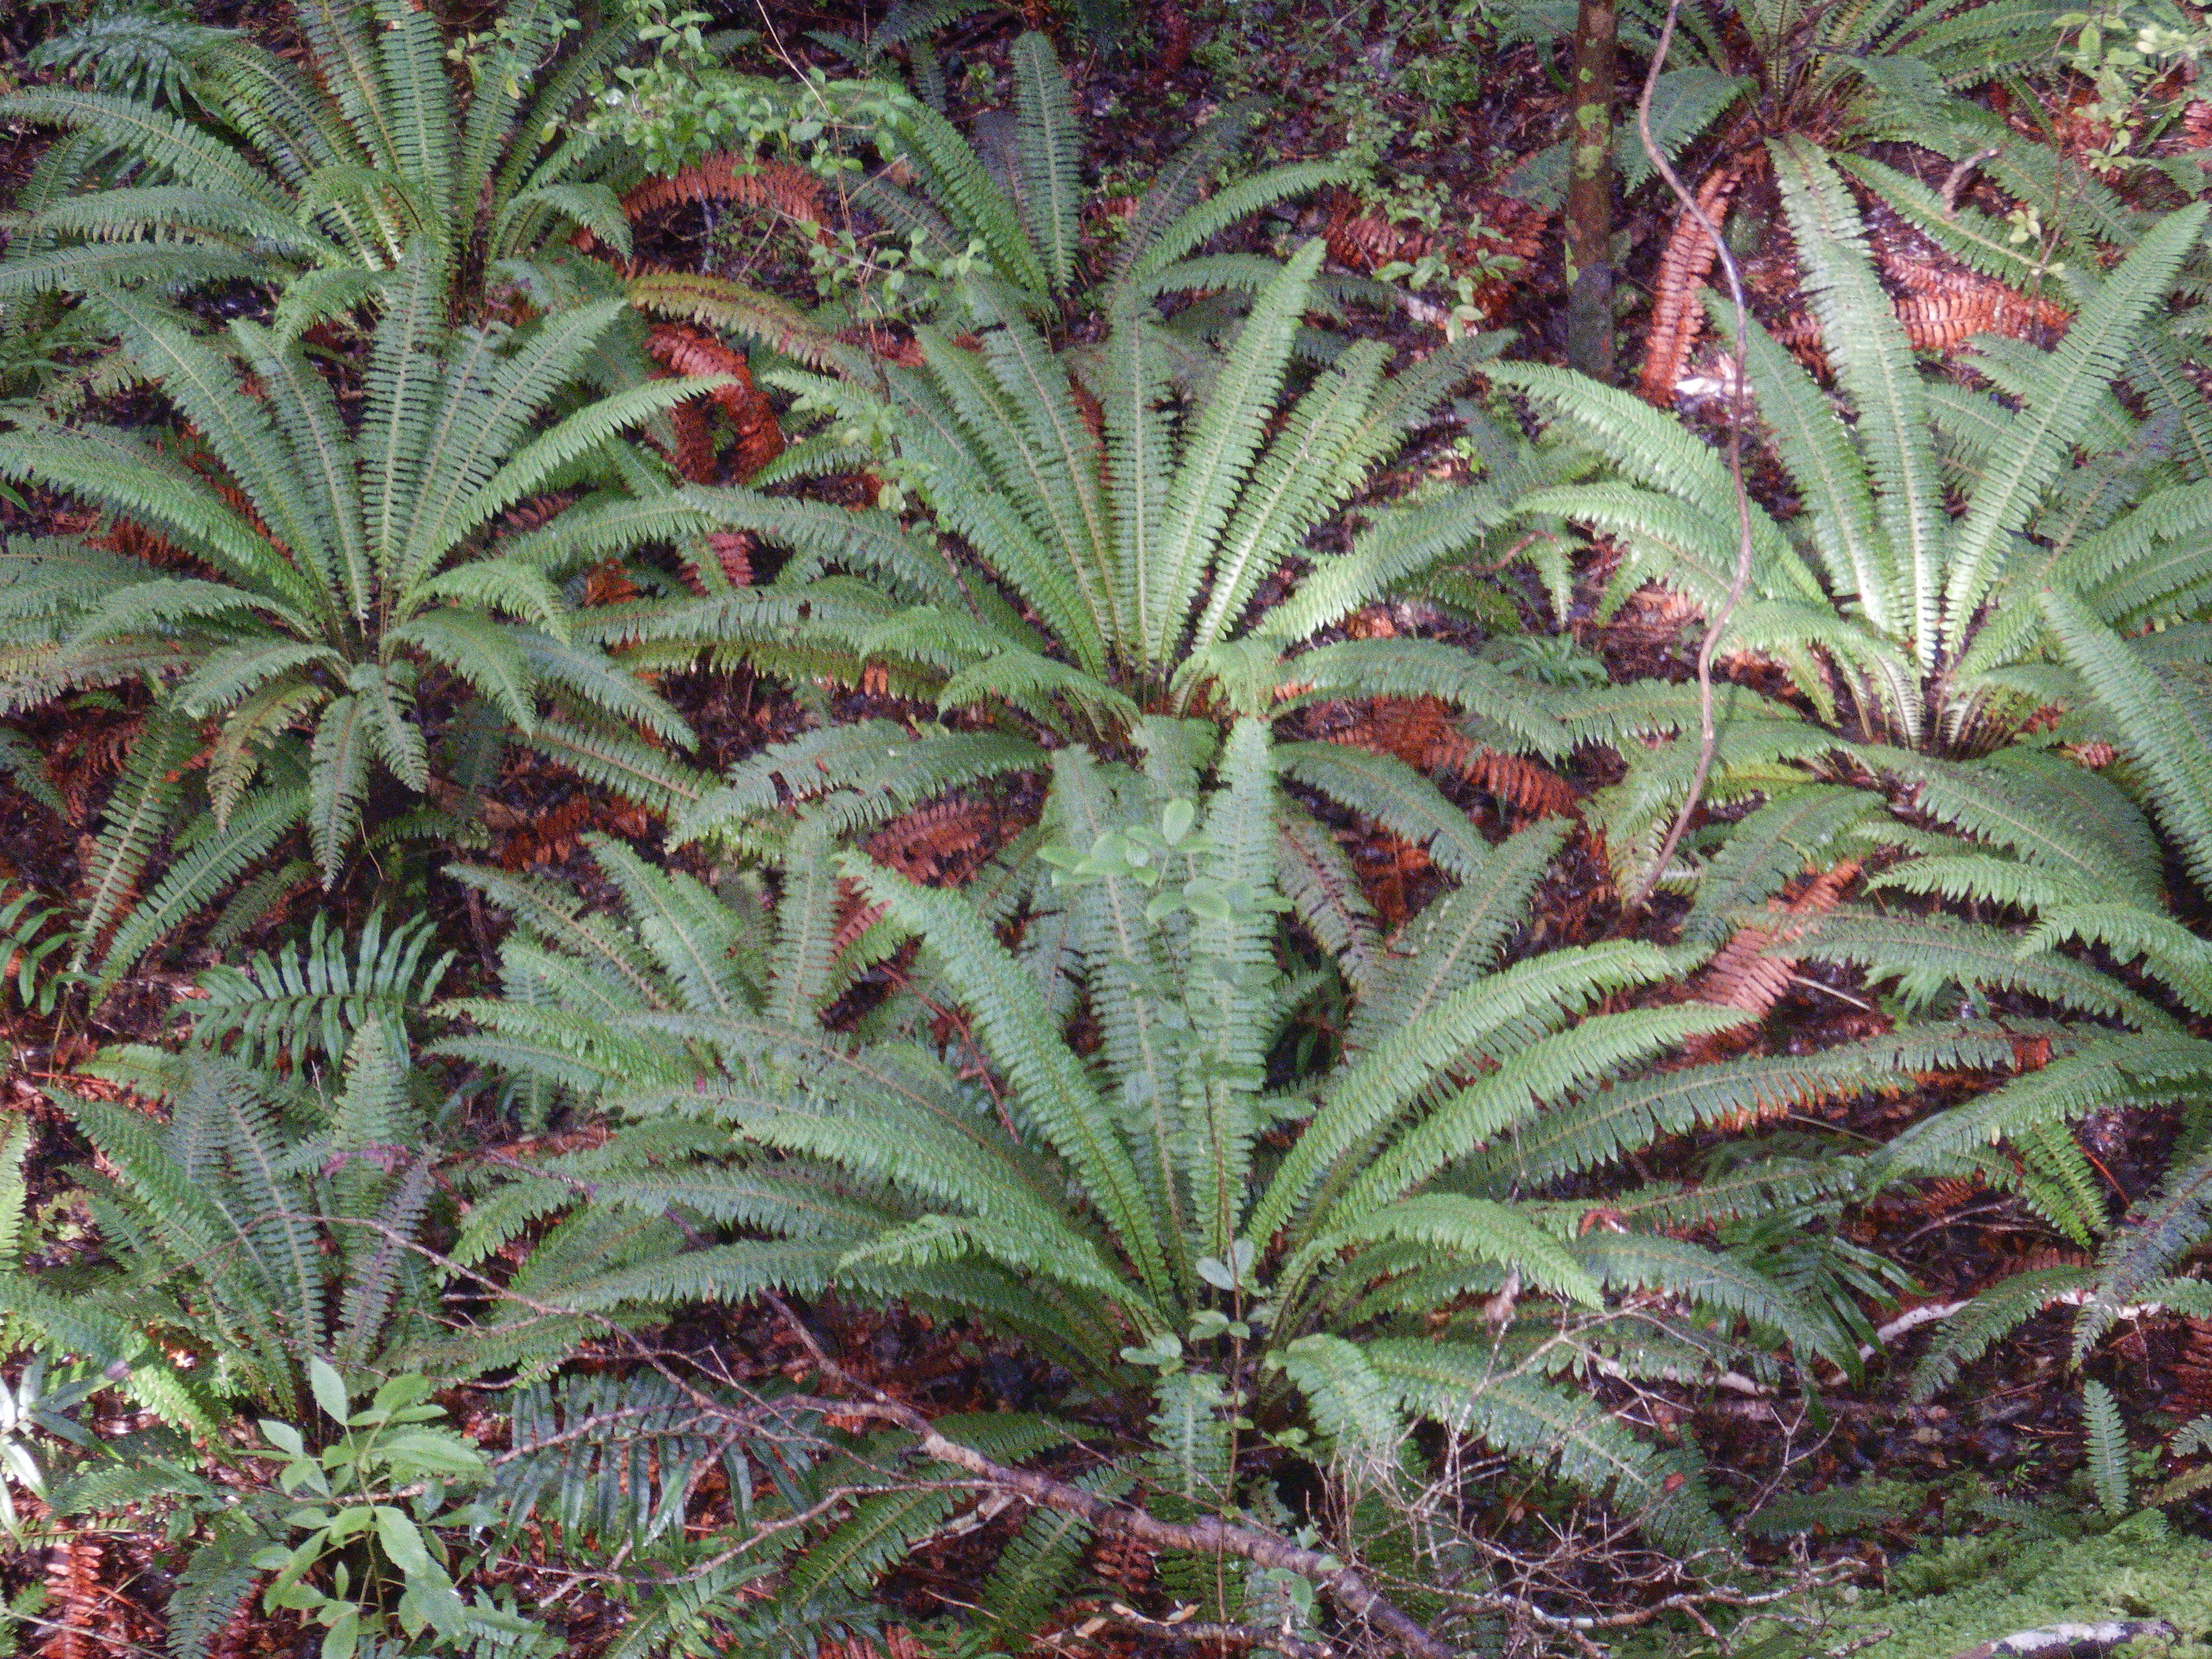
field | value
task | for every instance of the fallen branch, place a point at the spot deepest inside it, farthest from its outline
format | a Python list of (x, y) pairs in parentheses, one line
[(1207, 1535)]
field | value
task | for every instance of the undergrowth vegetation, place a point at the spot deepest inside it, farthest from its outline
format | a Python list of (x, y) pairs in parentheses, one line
[(796, 862)]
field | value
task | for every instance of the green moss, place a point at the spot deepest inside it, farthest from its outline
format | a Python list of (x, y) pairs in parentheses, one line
[(1970, 1591)]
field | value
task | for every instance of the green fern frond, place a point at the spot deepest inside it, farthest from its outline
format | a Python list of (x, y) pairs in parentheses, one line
[(2153, 716), (2106, 1445), (2143, 1248), (1927, 955), (1463, 1387), (305, 1002)]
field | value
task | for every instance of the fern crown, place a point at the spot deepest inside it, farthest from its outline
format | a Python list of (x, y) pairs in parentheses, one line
[(318, 582)]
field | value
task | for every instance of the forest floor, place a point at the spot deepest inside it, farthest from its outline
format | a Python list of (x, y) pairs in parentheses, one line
[(1454, 118)]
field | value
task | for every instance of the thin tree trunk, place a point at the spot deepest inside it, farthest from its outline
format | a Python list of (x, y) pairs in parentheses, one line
[(1589, 191)]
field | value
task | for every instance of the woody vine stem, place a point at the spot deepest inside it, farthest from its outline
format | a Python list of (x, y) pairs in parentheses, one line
[(1739, 415)]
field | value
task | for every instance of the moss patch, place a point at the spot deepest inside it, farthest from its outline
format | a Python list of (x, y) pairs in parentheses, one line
[(1978, 1590)]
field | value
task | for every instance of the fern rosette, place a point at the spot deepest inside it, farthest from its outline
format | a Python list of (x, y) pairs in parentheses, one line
[(333, 599), (1136, 1184)]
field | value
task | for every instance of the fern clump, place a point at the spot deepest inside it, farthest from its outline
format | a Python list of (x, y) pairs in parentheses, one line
[(266, 1221), (1012, 203), (197, 156), (1131, 555), (1901, 621), (1172, 1214), (317, 587)]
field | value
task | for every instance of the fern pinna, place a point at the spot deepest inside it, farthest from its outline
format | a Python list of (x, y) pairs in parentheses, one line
[(1153, 1201), (325, 585)]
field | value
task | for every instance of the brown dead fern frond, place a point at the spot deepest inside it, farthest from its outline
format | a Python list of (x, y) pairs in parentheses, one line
[(1743, 975), (694, 456), (1362, 241), (939, 845), (1683, 264), (1425, 732), (1527, 789), (740, 181), (684, 350), (74, 1612), (2190, 1380)]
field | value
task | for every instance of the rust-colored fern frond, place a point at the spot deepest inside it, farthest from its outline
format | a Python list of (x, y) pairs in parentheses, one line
[(1501, 235), (1527, 789), (1743, 975), (1943, 303), (1425, 732), (683, 350), (607, 583), (939, 845), (694, 456), (73, 1613), (734, 551), (855, 916), (2191, 1379), (1948, 1193), (1124, 1563), (1361, 240), (742, 179), (1390, 872), (1687, 261), (97, 751)]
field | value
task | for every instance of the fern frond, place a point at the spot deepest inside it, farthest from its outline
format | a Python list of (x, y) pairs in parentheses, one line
[(2143, 1248), (1926, 954), (206, 858), (1462, 1387), (1052, 1089), (305, 1002), (2080, 370), (2153, 718), (1876, 371), (2106, 1444), (2109, 1073), (1050, 147)]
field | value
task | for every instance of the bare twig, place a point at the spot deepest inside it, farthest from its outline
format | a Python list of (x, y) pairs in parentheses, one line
[(1738, 415), (1207, 1535), (1189, 1631)]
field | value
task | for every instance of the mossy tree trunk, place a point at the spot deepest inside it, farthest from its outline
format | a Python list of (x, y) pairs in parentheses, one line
[(1589, 191)]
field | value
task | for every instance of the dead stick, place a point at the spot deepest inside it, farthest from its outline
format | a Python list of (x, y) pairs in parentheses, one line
[(1207, 1535)]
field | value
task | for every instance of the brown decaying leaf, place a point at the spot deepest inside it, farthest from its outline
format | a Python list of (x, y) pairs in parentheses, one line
[(1676, 314)]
